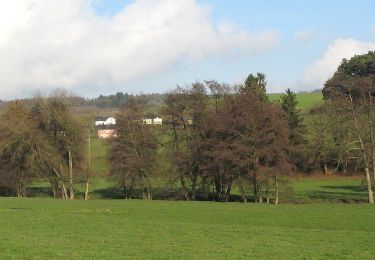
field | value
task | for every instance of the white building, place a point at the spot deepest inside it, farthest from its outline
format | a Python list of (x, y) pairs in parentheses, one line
[(153, 120), (105, 121)]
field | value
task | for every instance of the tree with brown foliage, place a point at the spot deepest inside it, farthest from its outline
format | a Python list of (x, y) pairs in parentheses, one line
[(186, 118), (17, 148), (63, 132), (248, 141), (132, 155), (33, 141)]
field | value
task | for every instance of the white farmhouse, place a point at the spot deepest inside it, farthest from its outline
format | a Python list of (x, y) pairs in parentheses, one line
[(153, 120), (105, 121)]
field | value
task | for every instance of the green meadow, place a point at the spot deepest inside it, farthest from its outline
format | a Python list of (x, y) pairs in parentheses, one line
[(306, 100), (319, 217), (119, 229)]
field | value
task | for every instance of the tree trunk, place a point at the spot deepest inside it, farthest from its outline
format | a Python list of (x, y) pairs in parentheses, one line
[(255, 185), (130, 189), (194, 187), (54, 186), (18, 190), (363, 151), (64, 193), (277, 191), (243, 193), (227, 194), (87, 189), (325, 169), (369, 187), (267, 191), (149, 193), (88, 166), (205, 190), (54, 191), (71, 193), (183, 184)]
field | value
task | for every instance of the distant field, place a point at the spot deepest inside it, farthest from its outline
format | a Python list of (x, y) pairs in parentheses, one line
[(305, 100), (99, 161), (119, 229)]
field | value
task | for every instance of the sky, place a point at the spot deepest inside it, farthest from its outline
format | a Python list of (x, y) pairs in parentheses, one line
[(92, 47)]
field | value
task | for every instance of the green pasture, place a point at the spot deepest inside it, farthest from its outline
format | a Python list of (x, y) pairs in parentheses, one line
[(122, 229), (99, 160), (305, 100)]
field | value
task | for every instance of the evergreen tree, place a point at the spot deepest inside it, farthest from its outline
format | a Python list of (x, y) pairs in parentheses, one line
[(256, 84), (293, 116)]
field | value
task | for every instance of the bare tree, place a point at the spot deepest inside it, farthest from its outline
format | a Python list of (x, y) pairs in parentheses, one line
[(133, 151)]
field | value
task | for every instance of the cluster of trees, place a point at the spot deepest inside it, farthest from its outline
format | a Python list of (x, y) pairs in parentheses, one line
[(217, 137), (41, 140), (110, 101), (121, 99), (345, 124)]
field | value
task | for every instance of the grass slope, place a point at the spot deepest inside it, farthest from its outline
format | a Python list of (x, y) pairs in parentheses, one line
[(118, 229), (305, 100)]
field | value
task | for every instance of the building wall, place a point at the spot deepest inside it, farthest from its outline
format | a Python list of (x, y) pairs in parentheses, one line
[(107, 133)]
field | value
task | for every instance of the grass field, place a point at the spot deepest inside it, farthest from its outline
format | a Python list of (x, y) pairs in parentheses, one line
[(305, 100), (118, 229), (319, 218), (99, 162)]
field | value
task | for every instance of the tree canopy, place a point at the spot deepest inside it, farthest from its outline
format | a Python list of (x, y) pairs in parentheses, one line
[(355, 77)]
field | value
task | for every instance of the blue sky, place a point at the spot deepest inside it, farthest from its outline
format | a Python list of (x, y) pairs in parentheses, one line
[(96, 47), (322, 22)]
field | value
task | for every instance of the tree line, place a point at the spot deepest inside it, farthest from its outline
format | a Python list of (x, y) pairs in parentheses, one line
[(215, 136), (215, 139)]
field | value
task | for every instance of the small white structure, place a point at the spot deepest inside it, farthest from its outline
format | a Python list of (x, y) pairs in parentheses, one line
[(157, 121), (153, 120), (106, 121)]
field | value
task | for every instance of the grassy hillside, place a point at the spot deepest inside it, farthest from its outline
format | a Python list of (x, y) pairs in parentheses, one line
[(118, 229), (305, 100), (100, 164)]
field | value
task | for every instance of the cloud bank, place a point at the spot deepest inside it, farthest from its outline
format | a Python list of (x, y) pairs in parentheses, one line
[(323, 68), (64, 44)]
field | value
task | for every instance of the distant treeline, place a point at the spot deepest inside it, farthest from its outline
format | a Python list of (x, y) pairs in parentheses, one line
[(119, 99), (102, 101)]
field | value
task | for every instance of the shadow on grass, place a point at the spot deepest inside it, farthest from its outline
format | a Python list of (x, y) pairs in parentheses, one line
[(157, 194), (340, 193), (39, 192), (351, 188), (324, 193)]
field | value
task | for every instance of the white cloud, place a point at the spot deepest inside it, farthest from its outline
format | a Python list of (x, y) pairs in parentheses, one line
[(305, 36), (63, 43), (322, 69)]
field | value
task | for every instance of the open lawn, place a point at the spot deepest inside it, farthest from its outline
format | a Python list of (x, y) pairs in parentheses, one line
[(118, 229)]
